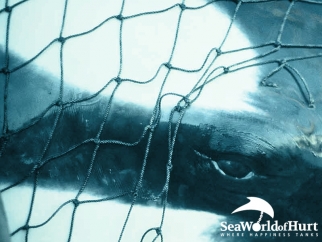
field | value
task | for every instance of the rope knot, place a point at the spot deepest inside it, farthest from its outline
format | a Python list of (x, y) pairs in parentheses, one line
[(182, 6), (277, 44), (8, 9), (118, 80), (119, 17), (59, 103), (76, 202), (37, 170), (226, 70), (158, 231), (5, 70), (219, 52), (282, 62), (25, 227), (178, 108), (151, 128), (96, 141), (268, 84), (311, 103), (61, 39), (168, 65), (187, 101), (4, 138)]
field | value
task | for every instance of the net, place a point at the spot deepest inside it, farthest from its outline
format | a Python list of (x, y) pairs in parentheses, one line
[(99, 107)]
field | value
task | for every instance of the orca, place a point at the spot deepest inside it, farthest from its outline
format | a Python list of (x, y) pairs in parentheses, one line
[(154, 121)]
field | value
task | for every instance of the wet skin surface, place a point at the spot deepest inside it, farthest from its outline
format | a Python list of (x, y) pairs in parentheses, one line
[(274, 154), (282, 172)]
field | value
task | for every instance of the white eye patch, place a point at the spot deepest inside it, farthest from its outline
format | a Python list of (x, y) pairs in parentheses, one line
[(187, 40)]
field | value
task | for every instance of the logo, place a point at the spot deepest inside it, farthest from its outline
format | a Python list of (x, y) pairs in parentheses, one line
[(268, 228), (259, 205)]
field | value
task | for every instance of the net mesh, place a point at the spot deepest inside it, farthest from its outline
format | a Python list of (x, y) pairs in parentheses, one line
[(278, 54)]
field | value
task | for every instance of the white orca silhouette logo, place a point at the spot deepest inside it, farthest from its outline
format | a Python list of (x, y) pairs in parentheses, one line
[(257, 204)]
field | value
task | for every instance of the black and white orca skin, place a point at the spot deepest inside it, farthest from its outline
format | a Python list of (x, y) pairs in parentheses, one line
[(245, 135)]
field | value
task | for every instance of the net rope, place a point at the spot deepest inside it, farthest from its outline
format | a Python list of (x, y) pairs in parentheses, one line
[(211, 72)]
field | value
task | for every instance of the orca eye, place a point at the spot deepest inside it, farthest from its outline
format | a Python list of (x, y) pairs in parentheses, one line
[(233, 169), (230, 168)]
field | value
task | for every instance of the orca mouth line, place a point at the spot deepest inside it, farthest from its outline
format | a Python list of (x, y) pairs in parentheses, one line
[(229, 168)]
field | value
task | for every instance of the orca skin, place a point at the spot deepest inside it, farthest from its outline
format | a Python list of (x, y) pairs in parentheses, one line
[(252, 132)]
